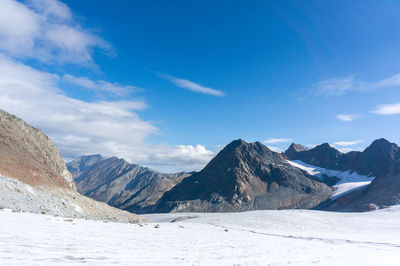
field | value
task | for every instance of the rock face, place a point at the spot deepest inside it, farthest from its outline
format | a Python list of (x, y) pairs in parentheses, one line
[(34, 177), (381, 159), (29, 155), (121, 184), (245, 176)]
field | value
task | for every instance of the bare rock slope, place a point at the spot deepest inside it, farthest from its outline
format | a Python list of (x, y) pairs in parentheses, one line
[(29, 155), (34, 177)]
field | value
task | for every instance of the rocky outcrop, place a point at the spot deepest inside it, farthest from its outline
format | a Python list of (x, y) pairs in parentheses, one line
[(121, 184), (34, 177), (29, 155), (245, 176)]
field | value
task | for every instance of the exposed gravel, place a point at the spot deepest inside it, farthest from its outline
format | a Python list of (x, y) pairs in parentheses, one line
[(19, 196)]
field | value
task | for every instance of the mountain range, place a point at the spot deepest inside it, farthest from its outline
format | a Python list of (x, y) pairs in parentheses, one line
[(242, 176), (381, 159), (249, 176), (119, 183)]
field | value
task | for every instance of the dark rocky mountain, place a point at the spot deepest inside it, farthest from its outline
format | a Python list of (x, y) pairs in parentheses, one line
[(381, 159), (245, 176), (121, 184), (374, 160)]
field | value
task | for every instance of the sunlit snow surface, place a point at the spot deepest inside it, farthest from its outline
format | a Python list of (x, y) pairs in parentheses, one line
[(349, 180), (288, 237)]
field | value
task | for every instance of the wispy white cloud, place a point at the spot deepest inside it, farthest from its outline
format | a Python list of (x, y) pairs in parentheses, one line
[(348, 143), (275, 149), (340, 86), (387, 109), (346, 150), (192, 86), (112, 128), (54, 10), (274, 140), (45, 30), (348, 117), (99, 85), (335, 86), (347, 146)]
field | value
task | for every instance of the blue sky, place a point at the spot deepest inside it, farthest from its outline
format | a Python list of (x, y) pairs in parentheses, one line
[(167, 83)]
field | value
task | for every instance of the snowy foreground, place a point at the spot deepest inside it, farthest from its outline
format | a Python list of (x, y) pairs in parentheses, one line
[(297, 237)]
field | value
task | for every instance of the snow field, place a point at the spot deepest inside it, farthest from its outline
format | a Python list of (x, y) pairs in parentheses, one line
[(299, 237)]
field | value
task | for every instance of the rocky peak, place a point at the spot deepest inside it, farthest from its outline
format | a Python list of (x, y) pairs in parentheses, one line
[(383, 148), (377, 158), (294, 149)]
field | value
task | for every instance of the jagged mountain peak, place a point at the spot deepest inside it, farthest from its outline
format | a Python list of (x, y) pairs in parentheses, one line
[(244, 176)]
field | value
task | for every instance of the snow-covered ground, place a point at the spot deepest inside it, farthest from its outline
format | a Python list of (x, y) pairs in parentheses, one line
[(349, 180), (299, 237)]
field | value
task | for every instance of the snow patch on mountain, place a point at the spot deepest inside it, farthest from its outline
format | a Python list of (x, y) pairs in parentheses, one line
[(348, 180)]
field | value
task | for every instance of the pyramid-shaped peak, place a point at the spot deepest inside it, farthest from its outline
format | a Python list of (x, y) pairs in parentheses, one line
[(382, 142), (236, 143), (297, 147)]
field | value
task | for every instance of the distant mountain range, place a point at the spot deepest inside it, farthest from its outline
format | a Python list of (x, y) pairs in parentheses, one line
[(119, 183), (249, 176)]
